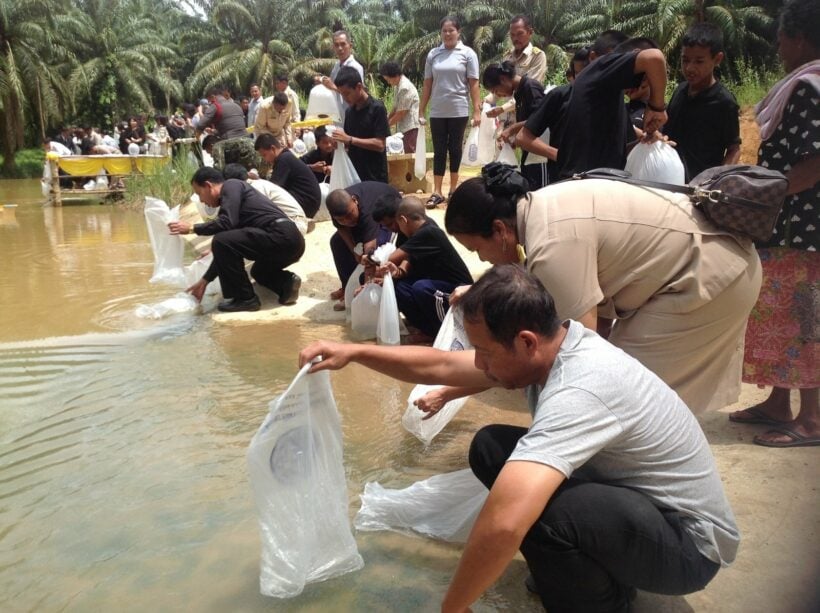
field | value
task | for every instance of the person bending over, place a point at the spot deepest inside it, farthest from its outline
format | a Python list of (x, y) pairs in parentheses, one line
[(248, 226), (278, 195), (612, 487), (291, 173), (426, 269)]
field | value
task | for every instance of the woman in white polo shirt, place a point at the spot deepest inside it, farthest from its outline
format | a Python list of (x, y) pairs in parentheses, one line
[(450, 84)]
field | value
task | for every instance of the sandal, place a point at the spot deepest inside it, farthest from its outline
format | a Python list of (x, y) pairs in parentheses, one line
[(434, 200)]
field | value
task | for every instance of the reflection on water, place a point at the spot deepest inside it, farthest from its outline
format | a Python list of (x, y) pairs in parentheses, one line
[(122, 442)]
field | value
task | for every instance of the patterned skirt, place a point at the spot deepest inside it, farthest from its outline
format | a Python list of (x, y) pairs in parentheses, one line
[(784, 326)]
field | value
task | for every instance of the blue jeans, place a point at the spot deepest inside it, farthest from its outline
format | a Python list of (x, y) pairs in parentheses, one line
[(594, 541)]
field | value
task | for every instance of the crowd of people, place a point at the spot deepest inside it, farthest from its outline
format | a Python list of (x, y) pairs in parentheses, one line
[(622, 310)]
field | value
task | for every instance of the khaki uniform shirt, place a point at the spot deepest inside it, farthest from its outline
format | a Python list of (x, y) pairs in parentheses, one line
[(271, 121), (295, 113), (531, 63)]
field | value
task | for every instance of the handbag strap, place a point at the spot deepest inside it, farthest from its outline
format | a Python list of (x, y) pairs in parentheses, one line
[(696, 193)]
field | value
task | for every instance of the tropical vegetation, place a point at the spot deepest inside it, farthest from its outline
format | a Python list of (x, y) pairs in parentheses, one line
[(96, 61)]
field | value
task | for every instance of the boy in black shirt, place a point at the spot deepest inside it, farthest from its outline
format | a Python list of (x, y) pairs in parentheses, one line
[(366, 128), (425, 269), (320, 160), (703, 114)]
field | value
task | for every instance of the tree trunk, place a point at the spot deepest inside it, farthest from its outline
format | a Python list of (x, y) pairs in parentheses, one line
[(9, 145)]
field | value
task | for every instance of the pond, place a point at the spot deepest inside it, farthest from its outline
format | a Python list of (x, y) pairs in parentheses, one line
[(123, 478)]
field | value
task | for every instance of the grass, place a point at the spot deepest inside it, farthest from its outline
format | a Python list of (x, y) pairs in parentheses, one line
[(172, 184), (752, 84), (28, 164)]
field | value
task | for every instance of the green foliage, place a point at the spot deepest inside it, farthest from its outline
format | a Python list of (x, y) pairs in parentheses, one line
[(751, 84), (28, 164), (171, 184)]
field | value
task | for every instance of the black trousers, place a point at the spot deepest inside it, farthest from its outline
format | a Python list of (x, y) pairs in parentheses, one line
[(448, 137), (593, 541), (272, 250)]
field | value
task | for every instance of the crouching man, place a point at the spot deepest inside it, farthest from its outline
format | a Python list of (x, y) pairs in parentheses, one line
[(248, 226), (613, 486)]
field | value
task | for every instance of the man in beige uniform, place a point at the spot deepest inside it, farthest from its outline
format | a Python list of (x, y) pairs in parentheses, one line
[(679, 288), (529, 61), (274, 118)]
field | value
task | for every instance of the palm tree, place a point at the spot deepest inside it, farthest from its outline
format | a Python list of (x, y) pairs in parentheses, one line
[(31, 82), (124, 60)]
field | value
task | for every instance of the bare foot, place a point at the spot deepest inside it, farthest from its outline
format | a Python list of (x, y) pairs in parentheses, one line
[(774, 410)]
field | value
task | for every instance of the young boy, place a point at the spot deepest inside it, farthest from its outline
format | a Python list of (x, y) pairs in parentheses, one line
[(703, 114)]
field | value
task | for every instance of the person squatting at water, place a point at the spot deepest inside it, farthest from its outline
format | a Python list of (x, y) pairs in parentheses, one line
[(248, 226), (613, 487)]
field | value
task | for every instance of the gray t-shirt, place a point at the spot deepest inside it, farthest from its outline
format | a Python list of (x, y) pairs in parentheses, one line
[(607, 418), (450, 69)]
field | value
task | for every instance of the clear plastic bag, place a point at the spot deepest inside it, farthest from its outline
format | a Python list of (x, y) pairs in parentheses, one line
[(364, 312), (344, 174), (322, 101), (656, 161), (395, 144), (195, 271), (168, 248), (443, 507), (471, 157), (420, 159), (507, 155), (451, 337), (388, 327), (486, 138), (298, 480), (350, 290), (180, 303)]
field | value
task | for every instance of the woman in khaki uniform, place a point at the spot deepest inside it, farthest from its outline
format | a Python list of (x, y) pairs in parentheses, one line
[(642, 266)]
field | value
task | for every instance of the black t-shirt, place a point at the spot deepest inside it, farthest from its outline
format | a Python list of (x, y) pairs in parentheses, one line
[(596, 129), (528, 97), (635, 109), (292, 174), (703, 126), (551, 114), (432, 256), (317, 156), (370, 121), (367, 193)]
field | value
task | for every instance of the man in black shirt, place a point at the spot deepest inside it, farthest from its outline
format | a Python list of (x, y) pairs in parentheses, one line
[(290, 173), (426, 268), (249, 226), (365, 129), (351, 210), (550, 115)]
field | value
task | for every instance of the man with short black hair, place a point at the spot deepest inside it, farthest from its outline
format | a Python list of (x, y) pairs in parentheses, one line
[(343, 48), (281, 83), (291, 173), (248, 226), (365, 127), (253, 105), (613, 487), (273, 118)]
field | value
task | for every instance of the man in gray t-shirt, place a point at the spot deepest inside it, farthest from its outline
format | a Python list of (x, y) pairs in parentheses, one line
[(612, 488)]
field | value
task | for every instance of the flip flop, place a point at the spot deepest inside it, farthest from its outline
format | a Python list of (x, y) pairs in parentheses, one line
[(434, 200), (757, 417), (797, 439)]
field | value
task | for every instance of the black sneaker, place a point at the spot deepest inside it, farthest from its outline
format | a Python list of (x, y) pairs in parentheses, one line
[(290, 290), (232, 305)]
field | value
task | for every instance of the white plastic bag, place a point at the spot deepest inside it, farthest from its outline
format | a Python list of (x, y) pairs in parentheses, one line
[(507, 155), (298, 480), (395, 144), (322, 101), (656, 161), (195, 271), (451, 337), (443, 506), (309, 138), (388, 328), (322, 214), (420, 159), (344, 174), (350, 290), (364, 312), (168, 248), (486, 138), (471, 149), (180, 303)]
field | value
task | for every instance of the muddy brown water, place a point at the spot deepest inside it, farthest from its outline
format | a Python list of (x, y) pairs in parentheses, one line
[(123, 481)]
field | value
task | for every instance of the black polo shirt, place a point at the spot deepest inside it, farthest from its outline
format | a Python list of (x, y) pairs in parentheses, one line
[(293, 175), (317, 156), (551, 114), (367, 193), (432, 256), (528, 97), (370, 121), (596, 118), (704, 126)]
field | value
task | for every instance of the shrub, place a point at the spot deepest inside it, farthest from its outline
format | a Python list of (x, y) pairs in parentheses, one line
[(28, 164)]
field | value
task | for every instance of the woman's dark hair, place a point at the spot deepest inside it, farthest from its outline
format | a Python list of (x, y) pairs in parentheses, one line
[(493, 73), (452, 19), (390, 69), (801, 18), (479, 201)]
